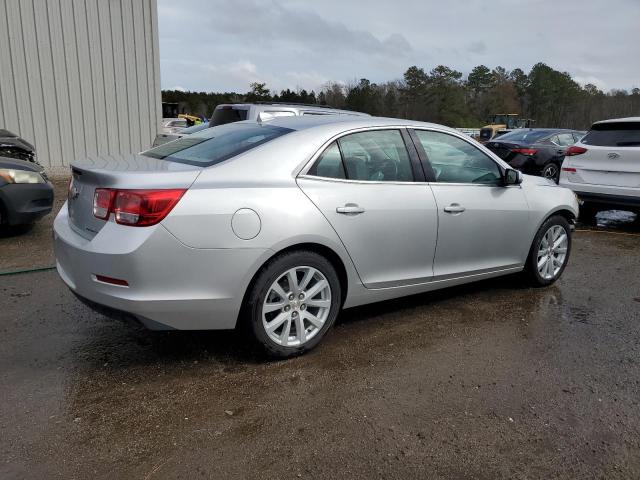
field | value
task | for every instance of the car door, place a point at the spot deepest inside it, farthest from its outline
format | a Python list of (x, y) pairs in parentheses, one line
[(482, 225), (370, 187)]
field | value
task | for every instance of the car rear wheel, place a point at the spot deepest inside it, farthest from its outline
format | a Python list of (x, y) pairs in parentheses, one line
[(549, 252), (293, 302), (551, 171)]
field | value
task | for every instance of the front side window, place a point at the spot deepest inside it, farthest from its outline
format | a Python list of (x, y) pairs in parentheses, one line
[(216, 144), (454, 160)]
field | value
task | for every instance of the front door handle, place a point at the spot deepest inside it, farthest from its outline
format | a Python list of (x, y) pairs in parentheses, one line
[(350, 209), (454, 208)]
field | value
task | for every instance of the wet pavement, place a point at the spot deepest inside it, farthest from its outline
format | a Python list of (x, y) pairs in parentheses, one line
[(490, 380)]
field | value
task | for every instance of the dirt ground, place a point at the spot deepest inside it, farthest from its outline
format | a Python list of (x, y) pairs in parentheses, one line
[(491, 380)]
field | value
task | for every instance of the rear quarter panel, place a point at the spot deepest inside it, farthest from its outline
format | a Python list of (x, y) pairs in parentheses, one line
[(203, 219)]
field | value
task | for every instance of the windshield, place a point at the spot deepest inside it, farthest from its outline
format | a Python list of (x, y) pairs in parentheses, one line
[(217, 144), (613, 134), (524, 136)]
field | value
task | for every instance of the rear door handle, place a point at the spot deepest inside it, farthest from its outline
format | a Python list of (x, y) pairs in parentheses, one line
[(350, 209), (454, 208)]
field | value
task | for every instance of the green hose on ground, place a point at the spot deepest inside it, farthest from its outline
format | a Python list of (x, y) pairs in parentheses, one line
[(27, 270)]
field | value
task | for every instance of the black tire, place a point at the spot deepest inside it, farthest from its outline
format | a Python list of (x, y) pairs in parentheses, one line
[(588, 214), (531, 268), (274, 269), (551, 171)]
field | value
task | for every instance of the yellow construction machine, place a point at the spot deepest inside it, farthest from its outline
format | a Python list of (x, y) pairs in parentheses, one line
[(501, 123)]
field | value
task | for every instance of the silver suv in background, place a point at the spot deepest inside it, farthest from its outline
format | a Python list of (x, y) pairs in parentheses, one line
[(265, 111), (258, 111), (603, 168)]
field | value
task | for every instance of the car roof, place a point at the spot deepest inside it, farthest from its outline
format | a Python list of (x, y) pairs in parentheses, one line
[(619, 120), (342, 123)]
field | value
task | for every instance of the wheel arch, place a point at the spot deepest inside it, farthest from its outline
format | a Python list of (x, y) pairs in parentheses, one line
[(321, 249)]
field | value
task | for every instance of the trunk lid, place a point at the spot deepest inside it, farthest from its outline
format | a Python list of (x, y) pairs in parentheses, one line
[(613, 166), (503, 149), (130, 171)]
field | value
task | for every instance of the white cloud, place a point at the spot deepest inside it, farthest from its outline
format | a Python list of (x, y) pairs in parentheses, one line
[(220, 45)]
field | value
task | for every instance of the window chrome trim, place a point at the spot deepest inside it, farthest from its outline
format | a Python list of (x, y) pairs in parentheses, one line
[(302, 171), (369, 182), (364, 182)]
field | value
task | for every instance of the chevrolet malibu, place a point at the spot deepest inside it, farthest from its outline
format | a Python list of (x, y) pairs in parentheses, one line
[(277, 226)]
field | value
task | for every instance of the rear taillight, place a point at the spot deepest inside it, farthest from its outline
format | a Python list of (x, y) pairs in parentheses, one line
[(102, 200), (525, 151), (137, 208), (569, 169), (574, 150)]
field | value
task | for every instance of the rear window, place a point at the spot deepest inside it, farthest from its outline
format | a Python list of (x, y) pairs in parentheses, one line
[(216, 144), (224, 115), (524, 135), (613, 134)]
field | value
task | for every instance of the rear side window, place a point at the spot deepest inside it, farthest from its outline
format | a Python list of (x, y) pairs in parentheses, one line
[(378, 156), (375, 156), (329, 164), (565, 139), (613, 134), (224, 115), (216, 144)]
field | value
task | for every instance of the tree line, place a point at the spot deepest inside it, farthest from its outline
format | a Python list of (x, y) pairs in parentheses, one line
[(443, 95)]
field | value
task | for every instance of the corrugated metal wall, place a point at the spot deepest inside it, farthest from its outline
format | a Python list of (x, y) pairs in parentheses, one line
[(80, 77)]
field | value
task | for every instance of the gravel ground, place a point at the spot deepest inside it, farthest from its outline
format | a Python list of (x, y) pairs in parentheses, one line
[(491, 380)]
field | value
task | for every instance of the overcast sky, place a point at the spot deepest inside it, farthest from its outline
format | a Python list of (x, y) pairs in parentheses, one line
[(223, 45)]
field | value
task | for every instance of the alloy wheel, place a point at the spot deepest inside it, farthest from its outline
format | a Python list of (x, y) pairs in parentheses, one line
[(296, 306), (552, 252), (551, 172)]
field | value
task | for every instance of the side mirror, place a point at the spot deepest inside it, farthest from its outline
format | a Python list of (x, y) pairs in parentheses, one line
[(512, 177)]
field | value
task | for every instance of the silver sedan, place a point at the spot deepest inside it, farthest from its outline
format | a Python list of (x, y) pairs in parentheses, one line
[(278, 226)]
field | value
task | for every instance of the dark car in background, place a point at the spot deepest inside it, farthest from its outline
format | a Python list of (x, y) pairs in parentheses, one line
[(25, 192), (535, 151), (13, 146)]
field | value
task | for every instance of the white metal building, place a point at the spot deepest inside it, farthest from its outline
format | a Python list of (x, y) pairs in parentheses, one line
[(80, 77)]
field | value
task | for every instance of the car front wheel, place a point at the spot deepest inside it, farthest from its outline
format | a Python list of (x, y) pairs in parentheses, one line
[(549, 252), (293, 302)]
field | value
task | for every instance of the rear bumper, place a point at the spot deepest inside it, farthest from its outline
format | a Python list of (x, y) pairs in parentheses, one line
[(609, 200), (26, 202), (604, 195), (171, 286)]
